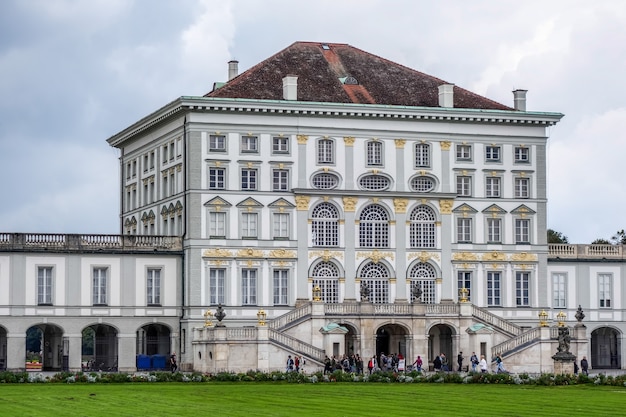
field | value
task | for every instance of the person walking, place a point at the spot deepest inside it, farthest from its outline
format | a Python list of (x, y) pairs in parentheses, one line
[(418, 363), (474, 361), (483, 364), (459, 361), (500, 365), (173, 363), (584, 366)]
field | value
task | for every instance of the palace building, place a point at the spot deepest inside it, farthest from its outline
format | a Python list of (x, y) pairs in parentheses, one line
[(328, 201)]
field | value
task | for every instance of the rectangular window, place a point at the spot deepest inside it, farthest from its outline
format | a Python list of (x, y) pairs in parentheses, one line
[(152, 158), (44, 285), (249, 144), (281, 225), (463, 152), (99, 287), (280, 180), (280, 145), (522, 188), (249, 227), (329, 289), (217, 143), (522, 231), (464, 186), (492, 187), (281, 278), (464, 230), (325, 151), (422, 155), (558, 290), (522, 289), (145, 162), (604, 290), (494, 227), (217, 224), (217, 178), (217, 278), (164, 153), (248, 286), (494, 289), (492, 154), (154, 286), (522, 154), (465, 281), (374, 153), (248, 179)]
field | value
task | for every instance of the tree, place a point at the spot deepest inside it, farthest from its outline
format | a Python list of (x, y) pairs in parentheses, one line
[(600, 242), (619, 238), (556, 237)]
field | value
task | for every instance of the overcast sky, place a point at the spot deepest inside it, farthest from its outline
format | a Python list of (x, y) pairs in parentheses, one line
[(74, 73)]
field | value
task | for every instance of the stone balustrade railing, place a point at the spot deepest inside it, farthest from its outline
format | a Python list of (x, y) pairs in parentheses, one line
[(290, 317), (439, 309), (76, 242), (496, 321), (297, 345), (568, 251), (509, 345)]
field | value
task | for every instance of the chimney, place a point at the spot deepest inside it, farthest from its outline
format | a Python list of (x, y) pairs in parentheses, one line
[(290, 87), (446, 95), (519, 100), (233, 69)]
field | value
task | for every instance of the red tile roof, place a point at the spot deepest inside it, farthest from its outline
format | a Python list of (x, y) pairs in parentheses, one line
[(320, 70)]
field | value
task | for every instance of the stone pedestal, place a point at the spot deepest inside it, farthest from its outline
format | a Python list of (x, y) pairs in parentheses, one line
[(564, 363)]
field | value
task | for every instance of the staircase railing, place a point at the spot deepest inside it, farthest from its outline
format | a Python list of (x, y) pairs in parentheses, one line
[(281, 322), (297, 345), (497, 321), (519, 340)]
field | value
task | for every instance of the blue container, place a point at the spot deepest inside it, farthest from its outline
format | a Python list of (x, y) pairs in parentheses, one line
[(158, 361), (143, 362)]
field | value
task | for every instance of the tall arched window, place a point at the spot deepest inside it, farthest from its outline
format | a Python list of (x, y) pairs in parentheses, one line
[(422, 276), (325, 225), (374, 227), (376, 277), (326, 276), (422, 229)]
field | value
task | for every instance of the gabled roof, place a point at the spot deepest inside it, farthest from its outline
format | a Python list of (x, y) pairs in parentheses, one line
[(340, 73)]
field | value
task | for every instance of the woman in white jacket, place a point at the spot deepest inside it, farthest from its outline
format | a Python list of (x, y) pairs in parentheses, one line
[(483, 364)]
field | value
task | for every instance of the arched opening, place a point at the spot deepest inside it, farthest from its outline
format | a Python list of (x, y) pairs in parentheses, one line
[(440, 341), (352, 342), (605, 349), (391, 341), (153, 347), (44, 348), (99, 348), (3, 349)]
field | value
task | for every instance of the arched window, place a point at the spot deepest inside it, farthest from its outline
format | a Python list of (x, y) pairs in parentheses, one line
[(422, 229), (325, 225), (375, 276), (422, 276), (374, 227), (326, 276)]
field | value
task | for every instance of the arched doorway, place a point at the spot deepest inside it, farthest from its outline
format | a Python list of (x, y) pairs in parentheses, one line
[(352, 342), (153, 346), (605, 348), (440, 341), (391, 339), (3, 348), (99, 348), (44, 347)]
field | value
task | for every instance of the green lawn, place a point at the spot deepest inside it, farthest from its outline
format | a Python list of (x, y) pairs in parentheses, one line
[(328, 399)]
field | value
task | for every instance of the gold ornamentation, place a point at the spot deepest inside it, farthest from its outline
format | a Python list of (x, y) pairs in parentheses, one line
[(523, 257), (217, 253), (445, 206), (400, 143), (282, 253), (249, 253), (423, 256), (463, 295), (261, 316), (218, 163), (349, 203), (302, 202), (445, 145), (326, 255), (208, 318), (464, 256), (349, 140), (543, 319), (302, 139), (400, 204), (217, 262), (375, 255), (494, 256), (317, 293)]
